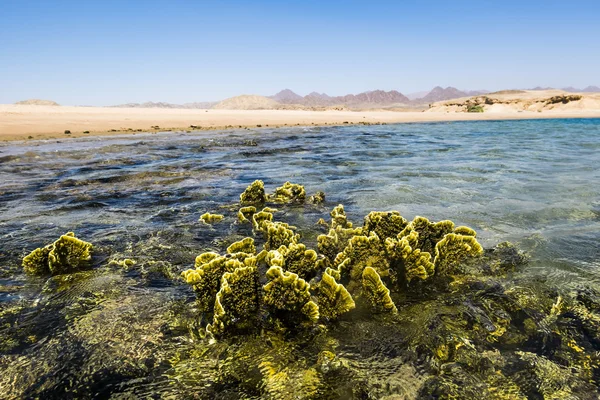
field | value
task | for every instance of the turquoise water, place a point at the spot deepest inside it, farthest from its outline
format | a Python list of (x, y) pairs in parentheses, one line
[(534, 183)]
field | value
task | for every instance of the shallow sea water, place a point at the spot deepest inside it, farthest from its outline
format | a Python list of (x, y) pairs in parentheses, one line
[(533, 183)]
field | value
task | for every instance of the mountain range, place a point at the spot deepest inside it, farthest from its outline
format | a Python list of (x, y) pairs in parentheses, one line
[(372, 98)]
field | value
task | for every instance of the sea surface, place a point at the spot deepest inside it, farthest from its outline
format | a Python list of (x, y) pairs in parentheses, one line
[(534, 183)]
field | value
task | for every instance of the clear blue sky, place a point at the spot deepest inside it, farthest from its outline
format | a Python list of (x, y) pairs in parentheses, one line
[(110, 52)]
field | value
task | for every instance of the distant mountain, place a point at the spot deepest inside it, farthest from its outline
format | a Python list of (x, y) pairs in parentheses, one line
[(286, 96), (366, 99), (37, 102), (589, 89), (438, 93), (417, 95)]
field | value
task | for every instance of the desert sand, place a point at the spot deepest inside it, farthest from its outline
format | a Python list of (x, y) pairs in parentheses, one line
[(23, 122)]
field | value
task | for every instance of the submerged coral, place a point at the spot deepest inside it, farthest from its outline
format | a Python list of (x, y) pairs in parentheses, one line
[(67, 254)]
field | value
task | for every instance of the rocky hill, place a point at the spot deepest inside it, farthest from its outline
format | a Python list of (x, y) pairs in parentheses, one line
[(438, 93), (286, 96)]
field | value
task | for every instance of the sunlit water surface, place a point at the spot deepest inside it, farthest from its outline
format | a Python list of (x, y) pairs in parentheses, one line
[(534, 183)]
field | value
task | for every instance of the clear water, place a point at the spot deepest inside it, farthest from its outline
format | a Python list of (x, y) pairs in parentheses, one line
[(534, 183)]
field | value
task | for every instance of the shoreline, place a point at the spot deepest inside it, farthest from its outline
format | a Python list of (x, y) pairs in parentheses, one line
[(18, 122)]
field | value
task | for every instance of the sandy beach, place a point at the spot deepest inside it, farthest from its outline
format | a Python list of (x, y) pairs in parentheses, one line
[(23, 122)]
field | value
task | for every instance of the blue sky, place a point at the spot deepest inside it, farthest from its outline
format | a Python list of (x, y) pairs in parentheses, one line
[(111, 52)]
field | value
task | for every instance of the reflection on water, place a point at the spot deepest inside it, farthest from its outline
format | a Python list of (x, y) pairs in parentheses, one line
[(534, 183)]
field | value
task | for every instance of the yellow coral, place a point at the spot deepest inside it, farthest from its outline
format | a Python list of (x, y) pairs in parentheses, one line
[(255, 193), (67, 254), (289, 192), (236, 302), (332, 297), (261, 217), (295, 258), (206, 278), (362, 252), (452, 249), (376, 293), (286, 291), (415, 263), (209, 218), (430, 233), (36, 262), (279, 234), (245, 245), (245, 213), (386, 224)]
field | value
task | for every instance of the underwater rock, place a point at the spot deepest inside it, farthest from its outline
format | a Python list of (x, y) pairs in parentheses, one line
[(254, 194), (332, 298), (385, 224), (295, 258), (289, 192), (287, 292), (236, 302), (453, 249), (67, 254), (376, 293), (245, 245), (209, 218), (430, 233), (278, 234)]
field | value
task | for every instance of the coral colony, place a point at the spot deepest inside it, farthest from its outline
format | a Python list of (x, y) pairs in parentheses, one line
[(271, 309)]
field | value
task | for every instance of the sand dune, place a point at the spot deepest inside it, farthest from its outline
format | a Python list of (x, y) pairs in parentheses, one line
[(519, 101), (42, 122)]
